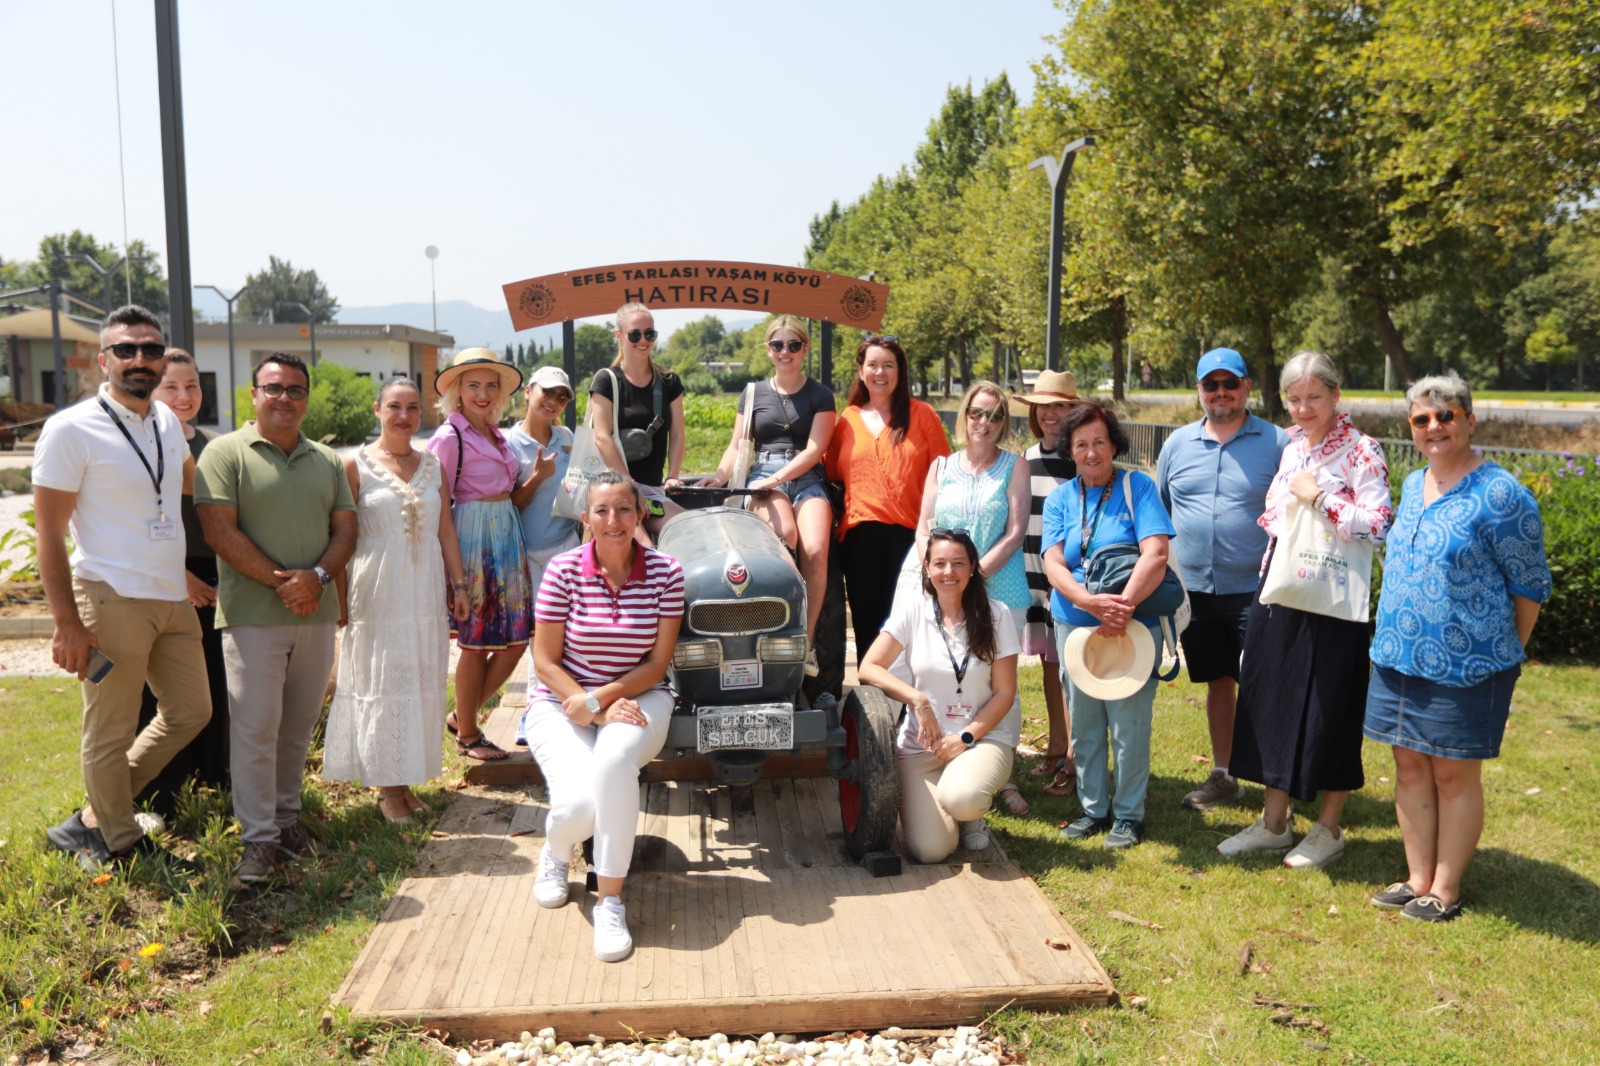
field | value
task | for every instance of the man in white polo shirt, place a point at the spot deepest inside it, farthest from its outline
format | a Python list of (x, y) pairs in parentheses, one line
[(114, 469)]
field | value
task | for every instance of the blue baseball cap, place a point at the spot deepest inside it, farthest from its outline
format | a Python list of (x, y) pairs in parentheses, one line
[(1221, 359)]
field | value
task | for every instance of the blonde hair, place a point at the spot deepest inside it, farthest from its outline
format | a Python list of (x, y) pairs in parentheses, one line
[(794, 325), (988, 388), (450, 395), (634, 308)]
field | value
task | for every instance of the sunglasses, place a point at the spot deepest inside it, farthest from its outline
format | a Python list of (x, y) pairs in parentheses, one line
[(952, 533), (983, 414), (1444, 418), (879, 337), (151, 351), (633, 335), (296, 393), (778, 346), (1213, 384)]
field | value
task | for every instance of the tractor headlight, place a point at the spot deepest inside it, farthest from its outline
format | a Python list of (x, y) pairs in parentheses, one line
[(781, 649), (697, 654)]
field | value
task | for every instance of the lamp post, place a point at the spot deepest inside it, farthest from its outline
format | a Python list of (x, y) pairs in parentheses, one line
[(312, 320), (432, 252), (233, 412), (1059, 174), (106, 275)]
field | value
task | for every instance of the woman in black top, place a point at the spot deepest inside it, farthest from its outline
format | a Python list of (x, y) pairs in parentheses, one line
[(791, 422), (649, 439)]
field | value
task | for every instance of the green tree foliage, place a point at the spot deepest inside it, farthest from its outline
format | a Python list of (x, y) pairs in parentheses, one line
[(57, 261), (272, 292), (338, 411)]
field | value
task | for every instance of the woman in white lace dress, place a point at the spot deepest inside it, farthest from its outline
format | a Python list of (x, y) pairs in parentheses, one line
[(389, 704)]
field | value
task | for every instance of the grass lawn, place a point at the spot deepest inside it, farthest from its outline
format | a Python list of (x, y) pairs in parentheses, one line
[(246, 975)]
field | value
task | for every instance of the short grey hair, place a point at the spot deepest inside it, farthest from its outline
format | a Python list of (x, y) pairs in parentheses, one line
[(1442, 391), (1308, 364)]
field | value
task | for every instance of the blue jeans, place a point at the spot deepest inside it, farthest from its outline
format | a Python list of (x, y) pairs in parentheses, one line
[(1127, 723)]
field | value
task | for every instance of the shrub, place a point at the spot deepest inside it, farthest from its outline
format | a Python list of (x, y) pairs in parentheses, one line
[(339, 410), (710, 412), (1568, 491), (700, 383)]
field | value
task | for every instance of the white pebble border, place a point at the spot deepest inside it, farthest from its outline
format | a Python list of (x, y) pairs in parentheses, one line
[(965, 1046)]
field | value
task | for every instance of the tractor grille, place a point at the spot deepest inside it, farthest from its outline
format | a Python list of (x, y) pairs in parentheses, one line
[(738, 617)]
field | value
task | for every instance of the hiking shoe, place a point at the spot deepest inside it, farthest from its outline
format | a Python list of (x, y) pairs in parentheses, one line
[(1431, 908), (1125, 833), (1218, 788), (611, 940), (293, 841), (1085, 826), (550, 887), (812, 669), (260, 862), (1394, 897), (82, 842), (1318, 848), (1256, 838), (974, 834)]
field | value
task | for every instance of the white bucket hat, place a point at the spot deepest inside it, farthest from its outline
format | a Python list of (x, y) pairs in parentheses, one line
[(1110, 668)]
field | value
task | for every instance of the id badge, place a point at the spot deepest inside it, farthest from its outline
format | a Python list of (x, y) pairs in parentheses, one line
[(163, 530), (954, 717)]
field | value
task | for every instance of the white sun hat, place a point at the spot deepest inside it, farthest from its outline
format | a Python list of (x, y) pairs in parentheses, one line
[(1110, 668)]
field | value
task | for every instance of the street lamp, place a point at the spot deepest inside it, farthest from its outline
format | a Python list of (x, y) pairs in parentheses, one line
[(233, 412), (107, 274), (1059, 174), (432, 252), (310, 318)]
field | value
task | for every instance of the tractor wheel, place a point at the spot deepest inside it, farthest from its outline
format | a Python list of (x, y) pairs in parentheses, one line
[(869, 790), (830, 637)]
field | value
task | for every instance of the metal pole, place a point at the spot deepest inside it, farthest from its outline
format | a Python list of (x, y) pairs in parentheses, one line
[(826, 363), (313, 319), (569, 363), (1059, 174), (60, 365), (175, 181)]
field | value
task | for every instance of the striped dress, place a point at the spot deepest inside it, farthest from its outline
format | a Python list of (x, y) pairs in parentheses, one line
[(1047, 471)]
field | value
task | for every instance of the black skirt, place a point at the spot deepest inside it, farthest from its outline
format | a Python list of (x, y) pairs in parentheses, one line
[(1302, 700)]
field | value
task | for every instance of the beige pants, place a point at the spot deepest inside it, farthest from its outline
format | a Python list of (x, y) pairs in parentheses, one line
[(148, 640), (935, 796)]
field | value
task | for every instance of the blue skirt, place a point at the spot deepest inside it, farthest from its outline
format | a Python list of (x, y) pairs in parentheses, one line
[(497, 577), (1440, 720)]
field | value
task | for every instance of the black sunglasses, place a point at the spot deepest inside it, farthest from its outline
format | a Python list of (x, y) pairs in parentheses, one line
[(793, 346), (954, 534), (294, 392), (983, 414), (151, 351), (1444, 418), (1213, 384), (633, 335), (875, 337)]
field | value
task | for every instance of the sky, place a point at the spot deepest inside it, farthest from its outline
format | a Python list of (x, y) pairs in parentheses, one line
[(519, 138)]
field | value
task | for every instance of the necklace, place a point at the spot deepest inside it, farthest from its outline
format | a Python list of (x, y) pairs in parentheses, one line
[(396, 455)]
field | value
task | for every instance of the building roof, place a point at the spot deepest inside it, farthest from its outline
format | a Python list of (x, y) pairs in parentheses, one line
[(326, 331)]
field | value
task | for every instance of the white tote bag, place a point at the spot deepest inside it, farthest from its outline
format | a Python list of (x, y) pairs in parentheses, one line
[(586, 463), (1313, 569), (744, 456)]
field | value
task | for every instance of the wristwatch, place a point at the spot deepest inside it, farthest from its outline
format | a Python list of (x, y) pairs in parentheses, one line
[(591, 703), (323, 577), (967, 738)]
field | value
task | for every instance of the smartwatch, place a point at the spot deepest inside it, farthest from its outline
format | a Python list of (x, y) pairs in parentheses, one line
[(323, 577), (967, 738), (591, 703)]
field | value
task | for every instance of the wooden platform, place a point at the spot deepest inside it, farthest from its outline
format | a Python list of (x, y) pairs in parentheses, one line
[(747, 917)]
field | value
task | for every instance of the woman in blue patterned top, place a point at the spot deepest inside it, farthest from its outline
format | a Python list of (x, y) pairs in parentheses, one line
[(1463, 580)]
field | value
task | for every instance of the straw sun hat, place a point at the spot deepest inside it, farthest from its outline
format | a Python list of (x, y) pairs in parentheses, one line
[(1110, 668), (475, 358), (1052, 386)]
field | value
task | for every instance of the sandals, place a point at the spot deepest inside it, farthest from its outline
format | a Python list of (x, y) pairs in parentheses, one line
[(1015, 802), (450, 723), (1065, 781), (492, 752), (1047, 765), (395, 819)]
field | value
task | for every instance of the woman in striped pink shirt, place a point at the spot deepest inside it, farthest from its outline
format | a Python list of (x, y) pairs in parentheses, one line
[(608, 616)]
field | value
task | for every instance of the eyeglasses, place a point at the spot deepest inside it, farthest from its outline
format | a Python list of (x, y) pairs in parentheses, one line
[(984, 414), (297, 393), (778, 346), (1213, 384), (633, 335), (875, 338), (1444, 418), (953, 534), (151, 351)]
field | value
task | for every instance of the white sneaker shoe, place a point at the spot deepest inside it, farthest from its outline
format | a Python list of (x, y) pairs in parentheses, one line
[(812, 667), (1256, 838), (550, 887), (611, 940), (1317, 850), (974, 835)]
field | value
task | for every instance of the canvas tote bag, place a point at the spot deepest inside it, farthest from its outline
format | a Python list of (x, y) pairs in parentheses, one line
[(744, 456), (1314, 569), (586, 463)]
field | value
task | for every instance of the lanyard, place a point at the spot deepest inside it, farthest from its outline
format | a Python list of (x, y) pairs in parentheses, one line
[(159, 474), (1100, 509), (959, 668)]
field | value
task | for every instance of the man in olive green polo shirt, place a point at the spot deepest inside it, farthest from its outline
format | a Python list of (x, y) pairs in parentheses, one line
[(277, 509)]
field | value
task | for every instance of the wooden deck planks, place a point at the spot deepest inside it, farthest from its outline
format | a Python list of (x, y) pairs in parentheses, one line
[(747, 917)]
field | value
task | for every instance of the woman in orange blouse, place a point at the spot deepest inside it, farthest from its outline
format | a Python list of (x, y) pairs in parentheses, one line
[(882, 447)]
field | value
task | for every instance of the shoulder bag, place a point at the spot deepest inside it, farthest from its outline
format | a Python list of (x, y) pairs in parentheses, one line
[(744, 455), (1314, 569), (636, 444), (585, 464), (1108, 569)]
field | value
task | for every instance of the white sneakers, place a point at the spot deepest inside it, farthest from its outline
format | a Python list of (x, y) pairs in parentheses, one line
[(1257, 837), (974, 835), (612, 943), (550, 887), (1318, 849)]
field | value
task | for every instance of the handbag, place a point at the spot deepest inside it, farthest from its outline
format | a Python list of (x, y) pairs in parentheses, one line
[(1313, 569), (745, 452), (636, 444), (586, 462), (1108, 569)]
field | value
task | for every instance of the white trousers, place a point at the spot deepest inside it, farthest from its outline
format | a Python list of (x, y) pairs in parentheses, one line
[(934, 796), (592, 773)]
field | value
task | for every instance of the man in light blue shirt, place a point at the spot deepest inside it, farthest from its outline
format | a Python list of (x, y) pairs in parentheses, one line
[(1213, 477)]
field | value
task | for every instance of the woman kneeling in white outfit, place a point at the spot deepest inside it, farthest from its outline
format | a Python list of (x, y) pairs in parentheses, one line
[(608, 616), (961, 659)]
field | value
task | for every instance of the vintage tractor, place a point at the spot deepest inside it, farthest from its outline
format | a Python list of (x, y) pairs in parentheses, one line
[(739, 672)]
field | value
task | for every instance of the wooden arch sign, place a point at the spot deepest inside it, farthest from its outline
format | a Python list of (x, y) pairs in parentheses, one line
[(760, 288)]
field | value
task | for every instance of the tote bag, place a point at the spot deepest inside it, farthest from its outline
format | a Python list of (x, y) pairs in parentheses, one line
[(586, 463), (744, 455), (1313, 569)]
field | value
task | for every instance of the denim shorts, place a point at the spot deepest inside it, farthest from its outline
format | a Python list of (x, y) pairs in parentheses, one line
[(807, 486), (1439, 720)]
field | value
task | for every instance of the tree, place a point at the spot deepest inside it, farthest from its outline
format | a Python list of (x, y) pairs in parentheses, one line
[(58, 261), (272, 291)]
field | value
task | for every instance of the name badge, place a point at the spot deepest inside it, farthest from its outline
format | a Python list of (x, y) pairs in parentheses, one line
[(164, 530), (954, 717)]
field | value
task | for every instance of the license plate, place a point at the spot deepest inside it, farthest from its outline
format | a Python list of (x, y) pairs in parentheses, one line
[(741, 673), (757, 726)]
